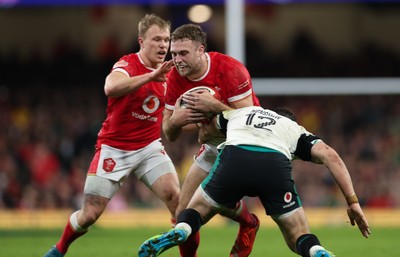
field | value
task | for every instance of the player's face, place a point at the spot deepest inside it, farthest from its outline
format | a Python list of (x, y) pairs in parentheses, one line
[(187, 57), (154, 45)]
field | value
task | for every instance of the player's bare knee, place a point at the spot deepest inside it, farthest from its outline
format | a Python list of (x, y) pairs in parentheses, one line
[(93, 208), (171, 195), (87, 218)]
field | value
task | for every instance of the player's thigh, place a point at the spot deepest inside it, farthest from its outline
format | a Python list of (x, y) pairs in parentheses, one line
[(198, 171), (193, 179), (154, 164), (276, 187), (100, 186), (162, 177), (166, 187)]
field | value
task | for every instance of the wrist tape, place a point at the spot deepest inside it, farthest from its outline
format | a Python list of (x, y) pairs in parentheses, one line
[(351, 199)]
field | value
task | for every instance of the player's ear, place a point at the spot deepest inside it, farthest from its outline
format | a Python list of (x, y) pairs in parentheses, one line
[(140, 41), (201, 49)]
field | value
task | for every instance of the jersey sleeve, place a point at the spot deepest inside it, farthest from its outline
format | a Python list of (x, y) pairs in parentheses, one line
[(125, 65), (222, 120), (237, 77), (304, 145), (222, 123), (241, 84)]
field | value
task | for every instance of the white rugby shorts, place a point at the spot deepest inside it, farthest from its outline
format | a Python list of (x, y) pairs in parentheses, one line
[(206, 157), (115, 165)]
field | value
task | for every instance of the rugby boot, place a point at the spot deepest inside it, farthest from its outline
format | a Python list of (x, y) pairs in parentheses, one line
[(245, 239), (155, 245)]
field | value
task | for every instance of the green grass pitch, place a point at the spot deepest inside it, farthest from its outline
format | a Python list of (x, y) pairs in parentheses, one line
[(105, 242)]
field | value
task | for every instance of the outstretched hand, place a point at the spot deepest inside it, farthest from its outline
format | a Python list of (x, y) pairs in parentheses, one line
[(356, 216), (160, 74)]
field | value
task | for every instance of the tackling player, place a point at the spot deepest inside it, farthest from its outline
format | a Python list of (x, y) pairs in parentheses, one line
[(255, 160)]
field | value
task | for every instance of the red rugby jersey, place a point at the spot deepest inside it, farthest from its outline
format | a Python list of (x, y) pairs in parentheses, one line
[(133, 121), (226, 74)]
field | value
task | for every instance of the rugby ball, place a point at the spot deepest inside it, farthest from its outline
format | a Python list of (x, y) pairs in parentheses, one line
[(211, 90)]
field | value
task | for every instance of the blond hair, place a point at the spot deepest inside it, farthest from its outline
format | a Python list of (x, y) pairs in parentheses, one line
[(149, 20)]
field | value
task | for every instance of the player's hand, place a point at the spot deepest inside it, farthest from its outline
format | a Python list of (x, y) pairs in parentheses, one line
[(184, 116), (202, 101), (356, 216), (160, 74)]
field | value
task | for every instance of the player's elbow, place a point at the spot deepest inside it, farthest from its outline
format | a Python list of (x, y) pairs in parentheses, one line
[(107, 91), (322, 153), (330, 156), (111, 88)]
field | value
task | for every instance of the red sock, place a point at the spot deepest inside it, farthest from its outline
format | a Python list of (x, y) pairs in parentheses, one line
[(68, 236), (189, 247), (244, 216)]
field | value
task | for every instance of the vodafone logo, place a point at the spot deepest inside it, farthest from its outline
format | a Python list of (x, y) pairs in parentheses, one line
[(151, 104), (288, 197)]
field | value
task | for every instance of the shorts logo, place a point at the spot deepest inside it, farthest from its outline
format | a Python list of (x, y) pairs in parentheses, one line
[(108, 165), (288, 197)]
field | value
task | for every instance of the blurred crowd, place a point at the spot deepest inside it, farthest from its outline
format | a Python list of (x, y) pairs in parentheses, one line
[(47, 138), (51, 112)]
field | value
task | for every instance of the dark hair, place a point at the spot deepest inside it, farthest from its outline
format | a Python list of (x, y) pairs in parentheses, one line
[(191, 32), (286, 113)]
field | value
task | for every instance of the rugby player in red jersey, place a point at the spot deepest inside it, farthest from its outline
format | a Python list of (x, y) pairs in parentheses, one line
[(130, 138), (195, 67)]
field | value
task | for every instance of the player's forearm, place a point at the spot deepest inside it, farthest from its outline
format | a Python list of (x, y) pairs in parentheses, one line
[(323, 153), (219, 107), (341, 175), (344, 182), (171, 131), (120, 85)]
